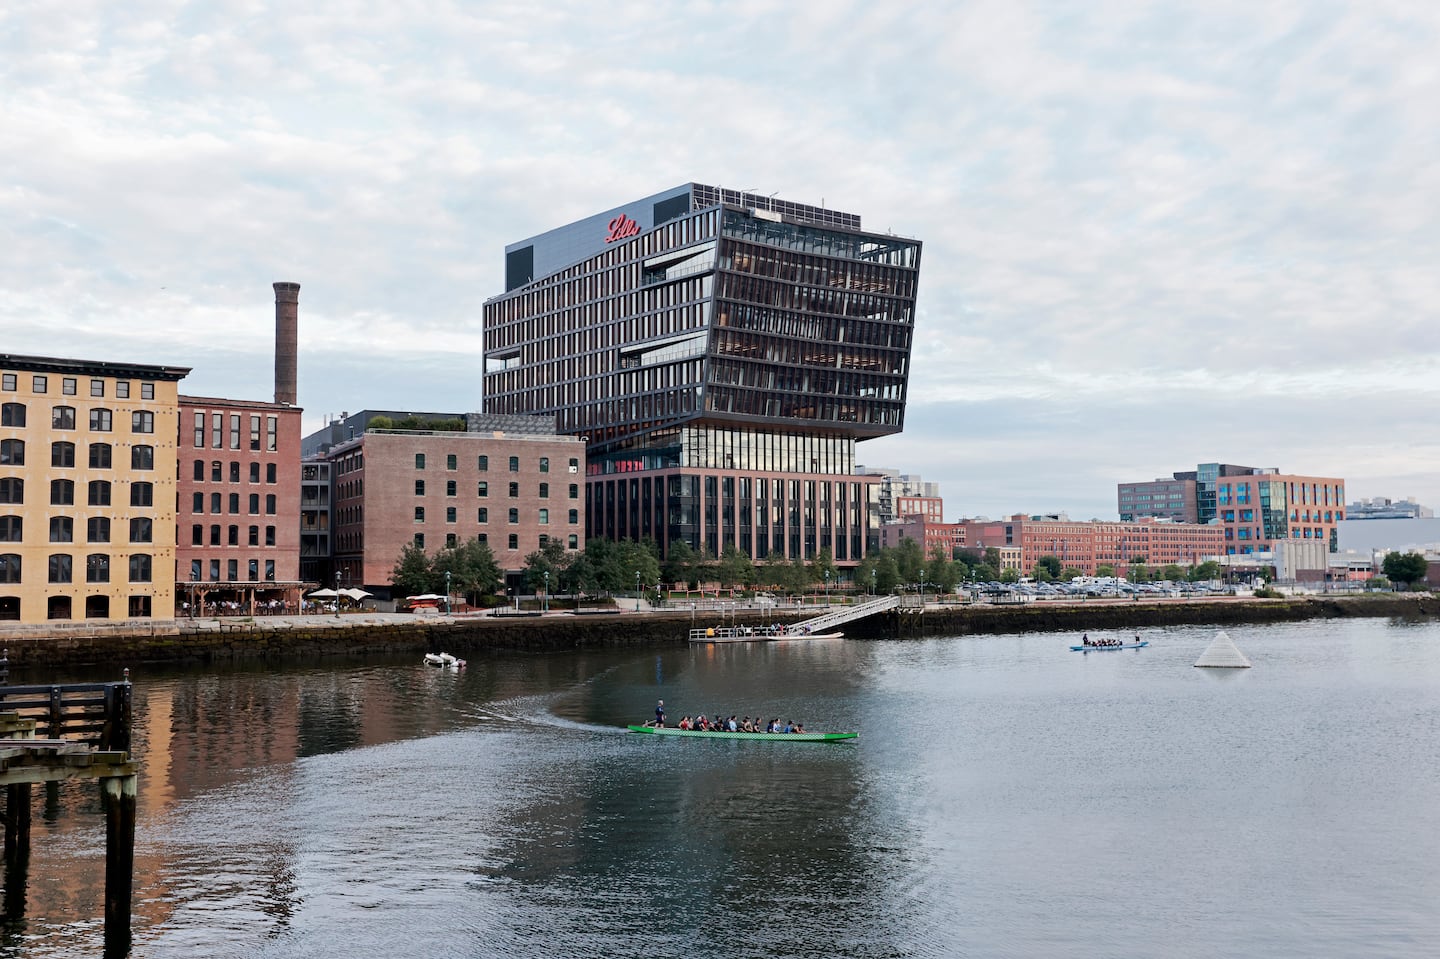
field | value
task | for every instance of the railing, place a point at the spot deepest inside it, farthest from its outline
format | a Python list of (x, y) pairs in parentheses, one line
[(97, 714)]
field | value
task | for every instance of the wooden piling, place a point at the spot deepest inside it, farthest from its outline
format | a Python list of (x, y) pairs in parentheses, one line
[(118, 794)]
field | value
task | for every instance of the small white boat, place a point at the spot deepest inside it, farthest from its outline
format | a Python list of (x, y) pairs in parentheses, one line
[(444, 660)]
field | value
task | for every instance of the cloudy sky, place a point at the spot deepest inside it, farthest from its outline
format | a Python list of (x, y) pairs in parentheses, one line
[(1156, 234)]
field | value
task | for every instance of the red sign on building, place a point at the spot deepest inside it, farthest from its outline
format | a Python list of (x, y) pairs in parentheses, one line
[(622, 228)]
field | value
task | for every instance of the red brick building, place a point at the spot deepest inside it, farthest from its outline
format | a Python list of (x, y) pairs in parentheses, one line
[(1085, 546)]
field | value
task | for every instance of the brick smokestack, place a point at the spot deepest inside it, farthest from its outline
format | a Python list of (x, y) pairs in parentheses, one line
[(287, 308)]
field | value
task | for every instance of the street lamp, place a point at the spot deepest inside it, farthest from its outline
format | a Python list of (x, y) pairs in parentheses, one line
[(637, 591), (827, 589), (922, 587), (447, 592), (339, 575), (872, 580), (545, 607)]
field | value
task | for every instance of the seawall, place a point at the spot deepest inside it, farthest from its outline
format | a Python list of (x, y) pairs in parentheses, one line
[(212, 641)]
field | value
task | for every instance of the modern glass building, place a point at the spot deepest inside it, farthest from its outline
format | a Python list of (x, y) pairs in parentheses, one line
[(722, 353)]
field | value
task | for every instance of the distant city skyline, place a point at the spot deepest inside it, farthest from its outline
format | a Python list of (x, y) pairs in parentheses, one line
[(1153, 235)]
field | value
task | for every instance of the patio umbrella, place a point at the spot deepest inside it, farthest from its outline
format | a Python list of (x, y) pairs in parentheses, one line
[(322, 594), (355, 594)]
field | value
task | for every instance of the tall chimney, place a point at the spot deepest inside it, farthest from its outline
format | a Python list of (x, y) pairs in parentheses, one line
[(287, 306)]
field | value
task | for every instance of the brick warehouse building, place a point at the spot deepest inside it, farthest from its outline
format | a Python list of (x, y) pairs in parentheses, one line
[(1088, 545), (510, 482), (238, 508), (721, 353)]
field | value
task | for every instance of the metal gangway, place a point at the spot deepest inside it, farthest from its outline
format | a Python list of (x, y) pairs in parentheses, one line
[(824, 623)]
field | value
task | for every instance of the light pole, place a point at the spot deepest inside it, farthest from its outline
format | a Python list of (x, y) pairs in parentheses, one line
[(447, 592), (637, 591), (827, 588), (922, 587), (545, 603), (339, 575), (872, 581)]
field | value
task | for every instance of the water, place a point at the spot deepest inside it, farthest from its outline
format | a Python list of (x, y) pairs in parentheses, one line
[(1006, 798)]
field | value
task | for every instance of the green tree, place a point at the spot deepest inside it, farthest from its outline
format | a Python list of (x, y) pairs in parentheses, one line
[(1405, 568), (985, 573), (550, 558), (1009, 576), (1047, 568), (380, 423), (682, 563), (992, 557), (1172, 573), (412, 575), (822, 564), (734, 567), (1104, 569), (887, 573), (909, 559), (631, 558), (1069, 573), (941, 570), (1203, 572), (472, 568)]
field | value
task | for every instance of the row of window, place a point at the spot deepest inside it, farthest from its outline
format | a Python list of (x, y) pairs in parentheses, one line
[(482, 488), (62, 492), (58, 607), (542, 516), (61, 568), (100, 456), (197, 536), (513, 541), (217, 472), (62, 529), (452, 461), (70, 386), (63, 418), (217, 500), (236, 423), (232, 570)]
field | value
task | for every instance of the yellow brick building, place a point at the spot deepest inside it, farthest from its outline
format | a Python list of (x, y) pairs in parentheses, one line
[(87, 490)]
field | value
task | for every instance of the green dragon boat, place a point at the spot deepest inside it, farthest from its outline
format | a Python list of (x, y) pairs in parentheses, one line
[(717, 734)]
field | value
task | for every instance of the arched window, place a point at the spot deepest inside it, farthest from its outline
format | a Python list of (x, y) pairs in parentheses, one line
[(12, 452), (12, 490), (62, 492), (140, 568), (12, 414), (61, 570), (9, 567), (99, 493), (142, 494), (142, 457), (100, 456), (199, 471), (142, 529), (97, 568), (12, 529), (101, 420), (97, 529), (62, 418), (97, 607), (514, 516), (270, 504)]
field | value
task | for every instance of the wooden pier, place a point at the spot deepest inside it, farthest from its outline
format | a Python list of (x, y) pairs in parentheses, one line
[(50, 734)]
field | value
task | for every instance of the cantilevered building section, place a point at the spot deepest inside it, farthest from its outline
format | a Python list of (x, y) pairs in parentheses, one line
[(722, 353)]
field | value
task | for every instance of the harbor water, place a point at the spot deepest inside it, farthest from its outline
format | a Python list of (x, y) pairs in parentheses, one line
[(1006, 797)]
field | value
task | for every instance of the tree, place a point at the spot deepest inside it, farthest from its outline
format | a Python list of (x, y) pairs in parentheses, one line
[(1205, 571), (1047, 568), (1009, 576), (1172, 573), (549, 558), (734, 567), (472, 568), (941, 570), (1405, 568), (909, 559), (1104, 570), (1070, 573), (887, 573), (682, 564), (821, 565), (412, 575)]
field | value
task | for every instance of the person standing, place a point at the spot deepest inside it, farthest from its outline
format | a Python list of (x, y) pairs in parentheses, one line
[(660, 713)]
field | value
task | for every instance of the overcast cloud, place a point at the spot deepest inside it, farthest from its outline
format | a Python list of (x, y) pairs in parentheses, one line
[(1155, 234)]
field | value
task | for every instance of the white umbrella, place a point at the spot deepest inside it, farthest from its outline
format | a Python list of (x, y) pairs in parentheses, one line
[(323, 594), (355, 594), (424, 596)]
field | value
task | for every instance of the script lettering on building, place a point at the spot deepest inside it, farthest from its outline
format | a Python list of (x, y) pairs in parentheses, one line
[(622, 228)]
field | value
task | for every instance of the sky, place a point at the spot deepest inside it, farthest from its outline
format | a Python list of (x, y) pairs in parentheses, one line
[(1155, 234)]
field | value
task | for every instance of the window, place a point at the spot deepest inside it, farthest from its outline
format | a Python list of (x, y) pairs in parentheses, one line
[(196, 570), (574, 465), (147, 391), (12, 414), (99, 494), (483, 516), (451, 461), (215, 534), (574, 491), (217, 431), (97, 387), (97, 529), (234, 503), (62, 493), (514, 490), (97, 607), (214, 571), (254, 539), (419, 461), (67, 385), (233, 537), (197, 503), (234, 471), (254, 472), (62, 417), (97, 568), (142, 421), (483, 489), (7, 382), (199, 471), (61, 568), (232, 570), (544, 464), (483, 463), (215, 502), (197, 535), (100, 420), (252, 570), (514, 516), (12, 452), (419, 540), (544, 517), (269, 571), (217, 471), (122, 389), (450, 541), (269, 536), (255, 431), (270, 505), (99, 456), (62, 529), (270, 433), (419, 514), (254, 504), (482, 537), (199, 431), (142, 494), (574, 516), (449, 514), (9, 567), (514, 542), (139, 607), (270, 473), (419, 487), (12, 490), (573, 542), (450, 488), (39, 384), (514, 464), (62, 455), (142, 457), (11, 529), (544, 490), (140, 568), (234, 431)]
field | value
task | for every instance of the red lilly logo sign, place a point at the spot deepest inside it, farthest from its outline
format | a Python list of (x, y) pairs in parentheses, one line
[(622, 228)]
